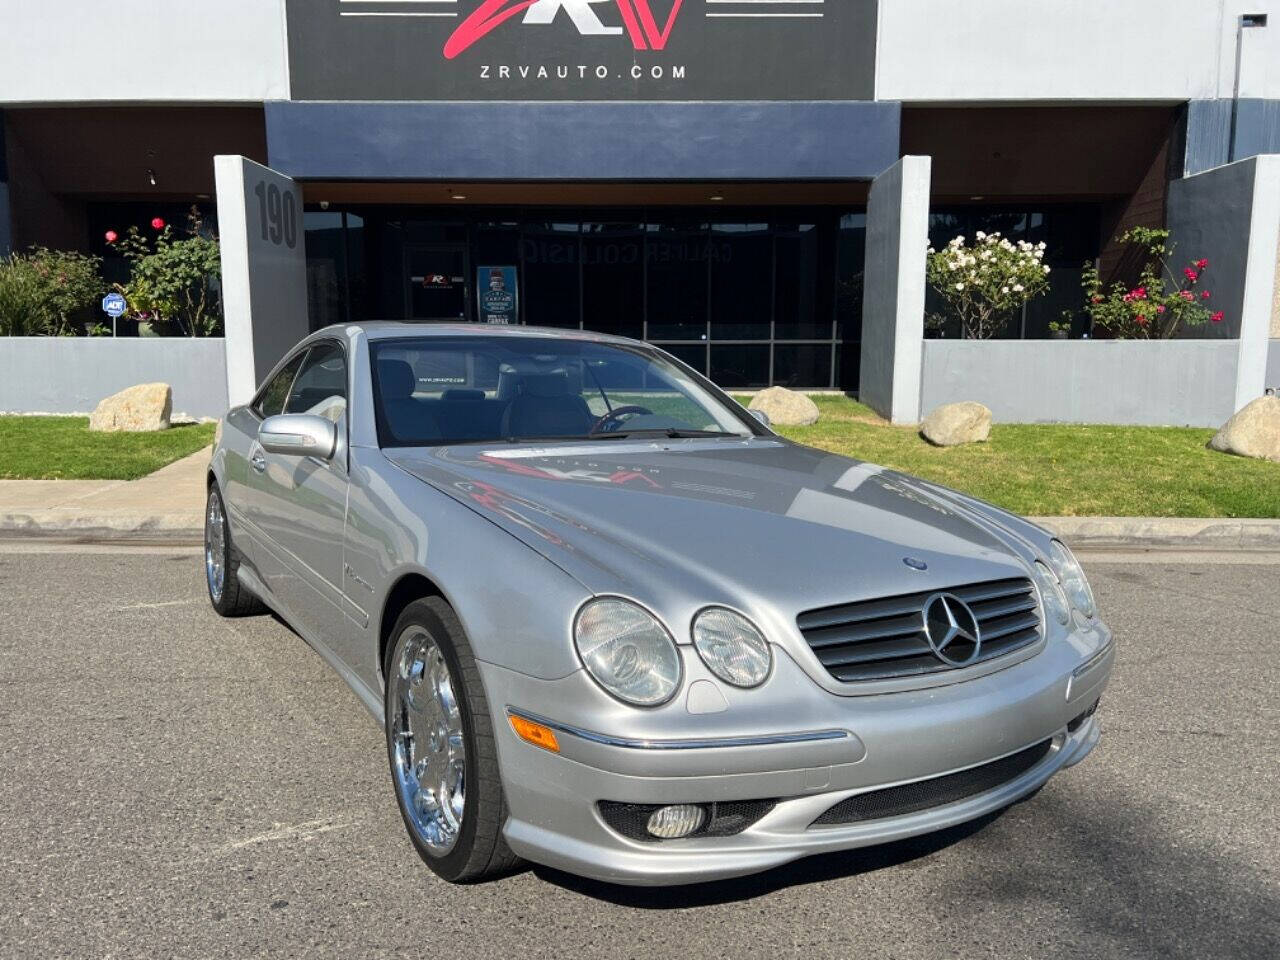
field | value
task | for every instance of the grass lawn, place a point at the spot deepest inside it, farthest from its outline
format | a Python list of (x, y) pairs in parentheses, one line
[(63, 448), (1062, 470)]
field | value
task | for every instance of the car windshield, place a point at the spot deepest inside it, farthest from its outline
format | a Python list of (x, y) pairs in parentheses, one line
[(441, 390)]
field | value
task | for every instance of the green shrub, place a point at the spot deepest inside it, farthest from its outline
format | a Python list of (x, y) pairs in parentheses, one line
[(24, 311)]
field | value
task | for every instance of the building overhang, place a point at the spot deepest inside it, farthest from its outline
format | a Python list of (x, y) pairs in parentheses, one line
[(582, 141)]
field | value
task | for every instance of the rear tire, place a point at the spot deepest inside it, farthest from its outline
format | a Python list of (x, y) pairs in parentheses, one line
[(222, 563), (441, 747)]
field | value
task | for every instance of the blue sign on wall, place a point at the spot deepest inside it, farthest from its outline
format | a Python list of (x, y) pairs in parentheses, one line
[(496, 294), (113, 305)]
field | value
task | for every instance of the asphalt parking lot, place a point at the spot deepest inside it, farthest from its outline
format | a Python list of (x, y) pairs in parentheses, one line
[(179, 785)]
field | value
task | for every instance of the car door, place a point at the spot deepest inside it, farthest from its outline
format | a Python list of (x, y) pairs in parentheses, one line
[(298, 503)]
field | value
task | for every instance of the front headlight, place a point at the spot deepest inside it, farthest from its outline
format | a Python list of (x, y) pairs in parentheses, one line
[(1071, 576), (627, 651), (731, 647), (1055, 601)]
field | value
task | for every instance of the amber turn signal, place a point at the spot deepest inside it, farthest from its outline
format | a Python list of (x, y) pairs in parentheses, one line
[(535, 733)]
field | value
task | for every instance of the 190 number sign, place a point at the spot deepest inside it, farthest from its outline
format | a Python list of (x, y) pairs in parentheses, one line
[(278, 214)]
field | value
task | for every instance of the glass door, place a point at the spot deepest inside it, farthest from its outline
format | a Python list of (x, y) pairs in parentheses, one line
[(436, 287)]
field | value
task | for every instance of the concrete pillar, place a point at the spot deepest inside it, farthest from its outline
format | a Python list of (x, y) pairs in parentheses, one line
[(893, 290), (264, 270), (1231, 215)]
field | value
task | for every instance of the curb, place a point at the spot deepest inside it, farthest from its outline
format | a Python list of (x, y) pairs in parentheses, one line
[(1085, 533), (1164, 533), (86, 527)]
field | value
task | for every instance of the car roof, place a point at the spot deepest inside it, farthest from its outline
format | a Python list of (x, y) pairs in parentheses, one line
[(388, 329)]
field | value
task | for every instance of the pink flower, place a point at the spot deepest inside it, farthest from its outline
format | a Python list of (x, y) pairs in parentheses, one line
[(1142, 321), (1191, 274), (1202, 263), (1159, 308), (111, 236), (1204, 294), (1141, 293), (1216, 318), (1186, 295), (157, 224), (1096, 298)]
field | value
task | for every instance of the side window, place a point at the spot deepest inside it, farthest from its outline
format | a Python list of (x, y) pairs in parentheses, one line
[(321, 387), (277, 391)]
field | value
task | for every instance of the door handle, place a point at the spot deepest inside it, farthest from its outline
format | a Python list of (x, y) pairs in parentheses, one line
[(258, 462)]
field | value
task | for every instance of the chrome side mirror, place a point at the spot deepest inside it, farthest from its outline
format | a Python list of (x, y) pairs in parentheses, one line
[(299, 435), (761, 416)]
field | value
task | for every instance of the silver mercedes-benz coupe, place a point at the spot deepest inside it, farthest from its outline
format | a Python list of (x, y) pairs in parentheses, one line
[(612, 623)]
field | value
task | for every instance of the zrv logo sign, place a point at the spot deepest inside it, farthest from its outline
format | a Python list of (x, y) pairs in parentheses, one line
[(637, 18), (582, 49)]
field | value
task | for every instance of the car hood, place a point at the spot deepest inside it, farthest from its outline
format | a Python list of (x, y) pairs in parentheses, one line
[(724, 521)]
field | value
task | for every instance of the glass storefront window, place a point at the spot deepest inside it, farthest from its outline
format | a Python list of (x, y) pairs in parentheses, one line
[(676, 280), (745, 300), (613, 278), (740, 365), (549, 259), (802, 364), (741, 281), (795, 298)]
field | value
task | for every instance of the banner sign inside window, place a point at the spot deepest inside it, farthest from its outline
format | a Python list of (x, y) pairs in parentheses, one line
[(497, 295)]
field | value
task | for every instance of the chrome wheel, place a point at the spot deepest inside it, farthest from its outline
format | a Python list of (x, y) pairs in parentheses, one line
[(215, 546), (428, 750)]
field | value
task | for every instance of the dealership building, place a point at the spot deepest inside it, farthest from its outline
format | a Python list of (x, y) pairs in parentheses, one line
[(702, 174)]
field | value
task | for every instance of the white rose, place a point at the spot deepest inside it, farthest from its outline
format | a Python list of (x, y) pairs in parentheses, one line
[(1004, 289), (1018, 288), (959, 286), (1046, 269)]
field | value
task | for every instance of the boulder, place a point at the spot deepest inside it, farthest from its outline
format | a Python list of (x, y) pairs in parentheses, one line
[(137, 409), (954, 423), (785, 408), (1254, 431)]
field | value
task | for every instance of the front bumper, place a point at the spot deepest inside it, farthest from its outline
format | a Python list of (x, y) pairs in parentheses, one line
[(824, 749)]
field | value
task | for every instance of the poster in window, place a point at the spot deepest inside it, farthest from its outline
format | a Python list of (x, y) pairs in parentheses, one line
[(496, 288)]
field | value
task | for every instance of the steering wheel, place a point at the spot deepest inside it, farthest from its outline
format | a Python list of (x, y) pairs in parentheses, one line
[(612, 416)]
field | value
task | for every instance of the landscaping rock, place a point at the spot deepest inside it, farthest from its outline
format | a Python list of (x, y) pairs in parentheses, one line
[(1254, 431), (139, 409), (955, 423), (785, 408)]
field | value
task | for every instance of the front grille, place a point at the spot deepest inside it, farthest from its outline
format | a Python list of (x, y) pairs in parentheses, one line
[(881, 639), (724, 818), (925, 794)]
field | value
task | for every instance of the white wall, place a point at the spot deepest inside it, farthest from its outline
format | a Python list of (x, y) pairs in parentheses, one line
[(1173, 383), (1059, 50), (142, 50), (71, 374)]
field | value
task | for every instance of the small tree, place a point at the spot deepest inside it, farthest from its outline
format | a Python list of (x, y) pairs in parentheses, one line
[(1163, 302), (984, 284)]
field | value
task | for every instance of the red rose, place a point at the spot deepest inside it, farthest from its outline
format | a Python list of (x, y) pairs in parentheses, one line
[(1204, 294), (111, 236), (157, 224), (1202, 263), (1186, 295), (1190, 274), (1216, 318), (1159, 308), (1140, 293), (1142, 321), (1096, 298)]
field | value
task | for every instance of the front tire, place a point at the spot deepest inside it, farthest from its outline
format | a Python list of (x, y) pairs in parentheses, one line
[(440, 744), (222, 563)]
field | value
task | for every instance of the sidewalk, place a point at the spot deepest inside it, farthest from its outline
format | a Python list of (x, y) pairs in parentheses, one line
[(169, 505)]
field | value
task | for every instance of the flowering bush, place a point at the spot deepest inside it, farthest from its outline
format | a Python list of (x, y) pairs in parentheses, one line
[(173, 280), (985, 283), (47, 292), (1161, 304)]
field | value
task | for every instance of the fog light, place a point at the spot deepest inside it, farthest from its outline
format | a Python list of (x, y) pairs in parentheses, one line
[(676, 821)]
